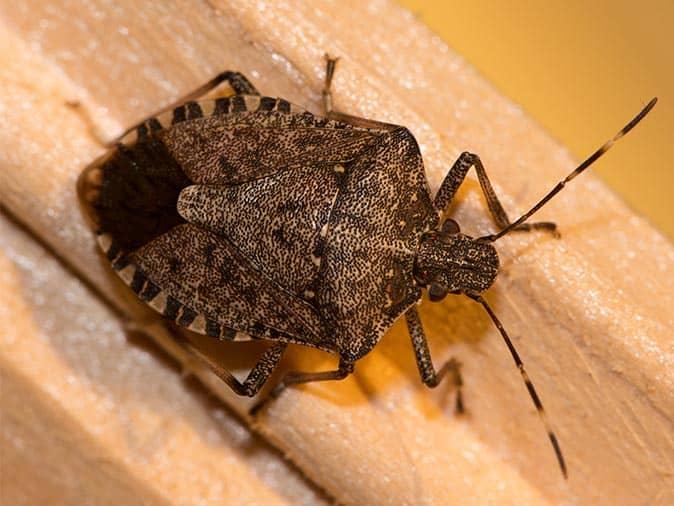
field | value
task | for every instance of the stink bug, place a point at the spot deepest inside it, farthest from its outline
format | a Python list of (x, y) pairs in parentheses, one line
[(249, 218)]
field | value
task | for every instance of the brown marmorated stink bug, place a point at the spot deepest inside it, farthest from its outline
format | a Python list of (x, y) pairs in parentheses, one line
[(249, 218)]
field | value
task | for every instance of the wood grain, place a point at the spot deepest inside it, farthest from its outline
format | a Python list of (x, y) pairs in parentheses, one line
[(589, 313)]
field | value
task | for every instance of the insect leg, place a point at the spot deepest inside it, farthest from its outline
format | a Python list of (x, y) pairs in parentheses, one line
[(424, 362), (256, 377), (330, 65), (296, 377), (236, 80), (456, 176)]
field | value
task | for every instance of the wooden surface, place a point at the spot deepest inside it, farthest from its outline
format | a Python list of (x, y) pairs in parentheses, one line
[(589, 313), (100, 419)]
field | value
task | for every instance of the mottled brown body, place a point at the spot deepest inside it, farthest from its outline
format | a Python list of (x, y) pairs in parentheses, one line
[(268, 223), (247, 217)]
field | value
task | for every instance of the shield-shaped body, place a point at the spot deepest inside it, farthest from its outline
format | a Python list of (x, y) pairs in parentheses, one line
[(250, 218)]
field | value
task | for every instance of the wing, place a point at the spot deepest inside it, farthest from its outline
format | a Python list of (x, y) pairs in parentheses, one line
[(195, 276), (202, 282), (275, 221)]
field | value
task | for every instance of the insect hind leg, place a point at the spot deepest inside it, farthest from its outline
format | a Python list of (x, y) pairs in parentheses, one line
[(422, 353), (297, 377), (236, 80), (257, 376), (455, 178)]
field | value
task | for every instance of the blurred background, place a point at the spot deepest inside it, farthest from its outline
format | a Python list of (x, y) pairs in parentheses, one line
[(582, 69)]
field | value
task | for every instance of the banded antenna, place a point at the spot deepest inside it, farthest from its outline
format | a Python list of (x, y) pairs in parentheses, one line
[(589, 161)]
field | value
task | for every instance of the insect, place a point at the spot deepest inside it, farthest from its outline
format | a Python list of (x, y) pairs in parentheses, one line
[(246, 217)]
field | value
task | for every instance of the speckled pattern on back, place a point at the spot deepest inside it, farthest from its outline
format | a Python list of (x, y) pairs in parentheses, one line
[(276, 223), (248, 217)]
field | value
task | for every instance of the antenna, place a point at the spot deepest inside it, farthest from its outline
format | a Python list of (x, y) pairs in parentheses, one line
[(589, 161), (525, 377)]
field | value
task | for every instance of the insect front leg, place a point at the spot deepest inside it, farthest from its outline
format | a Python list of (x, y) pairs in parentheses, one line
[(424, 362), (256, 378), (236, 80), (455, 178), (296, 377)]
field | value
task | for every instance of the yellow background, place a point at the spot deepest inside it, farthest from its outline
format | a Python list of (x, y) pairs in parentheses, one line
[(581, 68)]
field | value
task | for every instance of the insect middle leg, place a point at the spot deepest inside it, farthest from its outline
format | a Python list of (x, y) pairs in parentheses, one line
[(455, 178), (424, 362), (330, 66), (297, 377)]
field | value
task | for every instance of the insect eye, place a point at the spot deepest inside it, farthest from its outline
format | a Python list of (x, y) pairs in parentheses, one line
[(450, 227), (437, 292)]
